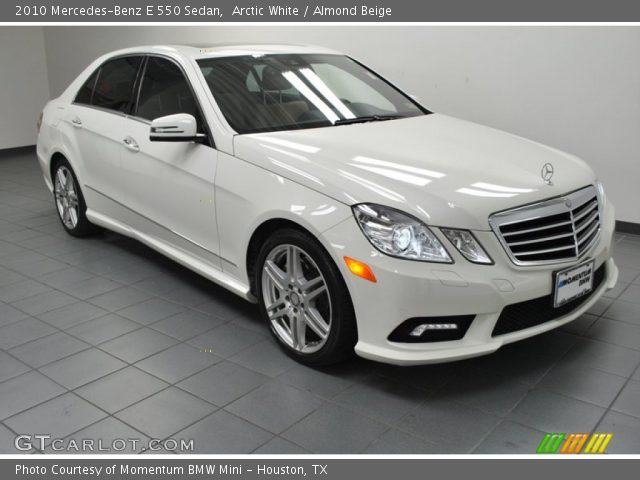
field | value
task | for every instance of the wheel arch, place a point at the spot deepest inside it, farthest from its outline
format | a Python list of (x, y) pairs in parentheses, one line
[(60, 154), (55, 159), (259, 236)]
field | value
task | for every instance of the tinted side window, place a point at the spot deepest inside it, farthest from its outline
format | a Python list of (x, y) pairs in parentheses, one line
[(115, 83), (165, 91), (86, 91)]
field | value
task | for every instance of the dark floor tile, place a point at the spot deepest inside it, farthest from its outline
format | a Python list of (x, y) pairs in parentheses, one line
[(138, 344), (615, 332), (10, 367), (551, 412), (264, 357), (600, 306), (7, 277), (90, 288), (629, 400), (624, 311), (225, 306), (580, 325), (382, 399), (626, 433), (280, 446), (529, 360), (177, 363), (451, 424), (82, 368), (396, 442), (602, 356), (488, 391), (8, 443), (224, 433), (22, 332), (165, 413), (9, 314), (48, 349), (186, 324), (325, 382), (429, 378), (103, 329), (586, 384), (335, 429), (511, 438), (65, 277), (632, 295), (119, 298), (71, 315), (121, 389), (58, 417), (274, 406), (226, 340), (20, 290), (107, 437), (150, 311), (223, 383)]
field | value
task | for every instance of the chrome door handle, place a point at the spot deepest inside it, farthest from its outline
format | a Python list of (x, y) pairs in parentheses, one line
[(76, 122), (131, 144)]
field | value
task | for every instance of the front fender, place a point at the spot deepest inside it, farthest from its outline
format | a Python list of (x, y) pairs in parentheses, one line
[(247, 196)]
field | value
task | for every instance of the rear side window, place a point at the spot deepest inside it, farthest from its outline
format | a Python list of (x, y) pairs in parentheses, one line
[(165, 91), (86, 91), (114, 86)]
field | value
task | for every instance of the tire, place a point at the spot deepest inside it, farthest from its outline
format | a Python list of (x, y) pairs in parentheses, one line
[(69, 201), (300, 301)]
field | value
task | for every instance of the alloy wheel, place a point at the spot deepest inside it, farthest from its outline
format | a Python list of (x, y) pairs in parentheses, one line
[(296, 298), (66, 197)]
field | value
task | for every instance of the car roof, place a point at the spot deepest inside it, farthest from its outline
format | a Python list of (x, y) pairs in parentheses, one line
[(225, 50)]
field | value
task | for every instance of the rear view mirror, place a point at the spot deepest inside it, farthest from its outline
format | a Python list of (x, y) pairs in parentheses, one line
[(180, 127)]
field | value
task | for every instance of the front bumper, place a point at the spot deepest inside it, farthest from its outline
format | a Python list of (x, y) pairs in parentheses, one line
[(407, 289)]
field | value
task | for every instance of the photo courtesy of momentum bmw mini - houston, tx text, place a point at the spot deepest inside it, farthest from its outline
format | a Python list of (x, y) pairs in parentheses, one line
[(254, 166)]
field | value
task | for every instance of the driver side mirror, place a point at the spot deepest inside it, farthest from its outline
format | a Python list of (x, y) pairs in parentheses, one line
[(180, 127)]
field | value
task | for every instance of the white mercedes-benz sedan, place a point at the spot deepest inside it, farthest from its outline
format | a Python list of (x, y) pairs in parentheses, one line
[(357, 219)]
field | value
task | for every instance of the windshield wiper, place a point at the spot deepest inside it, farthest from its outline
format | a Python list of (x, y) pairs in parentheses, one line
[(366, 118)]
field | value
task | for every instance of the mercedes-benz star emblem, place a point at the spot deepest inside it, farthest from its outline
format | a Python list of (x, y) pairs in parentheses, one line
[(547, 173)]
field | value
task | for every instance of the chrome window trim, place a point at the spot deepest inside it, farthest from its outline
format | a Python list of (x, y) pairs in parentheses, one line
[(137, 86), (552, 206)]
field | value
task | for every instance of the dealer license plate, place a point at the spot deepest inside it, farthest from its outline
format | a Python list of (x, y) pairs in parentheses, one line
[(573, 283)]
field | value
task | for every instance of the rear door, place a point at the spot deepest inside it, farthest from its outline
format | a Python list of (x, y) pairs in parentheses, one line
[(97, 116), (170, 185)]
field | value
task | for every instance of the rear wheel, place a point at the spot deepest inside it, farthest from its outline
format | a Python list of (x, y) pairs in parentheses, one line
[(304, 300), (69, 201)]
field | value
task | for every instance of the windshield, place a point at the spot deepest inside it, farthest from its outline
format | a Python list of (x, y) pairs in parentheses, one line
[(262, 93)]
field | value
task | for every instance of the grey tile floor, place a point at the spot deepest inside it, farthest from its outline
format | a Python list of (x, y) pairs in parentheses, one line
[(102, 338)]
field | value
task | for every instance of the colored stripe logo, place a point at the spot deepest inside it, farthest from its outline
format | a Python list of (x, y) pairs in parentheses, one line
[(574, 443)]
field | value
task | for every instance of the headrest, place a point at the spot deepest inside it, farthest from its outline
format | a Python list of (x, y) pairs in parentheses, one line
[(273, 79)]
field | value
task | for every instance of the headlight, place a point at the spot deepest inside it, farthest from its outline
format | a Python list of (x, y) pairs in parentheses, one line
[(600, 192), (467, 245), (398, 234)]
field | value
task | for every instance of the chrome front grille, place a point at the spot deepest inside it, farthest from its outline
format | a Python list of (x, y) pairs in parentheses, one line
[(556, 230)]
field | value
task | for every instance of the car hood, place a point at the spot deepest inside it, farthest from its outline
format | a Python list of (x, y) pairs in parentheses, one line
[(445, 171)]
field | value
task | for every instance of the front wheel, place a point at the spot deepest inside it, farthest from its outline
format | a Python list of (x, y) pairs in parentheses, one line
[(304, 299)]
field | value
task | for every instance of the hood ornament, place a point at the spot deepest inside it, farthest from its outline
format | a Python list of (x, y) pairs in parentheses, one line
[(547, 173)]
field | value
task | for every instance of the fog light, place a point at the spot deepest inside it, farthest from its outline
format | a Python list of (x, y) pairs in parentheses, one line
[(420, 329)]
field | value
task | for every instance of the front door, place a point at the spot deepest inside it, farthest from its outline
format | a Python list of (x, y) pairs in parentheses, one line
[(170, 185)]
